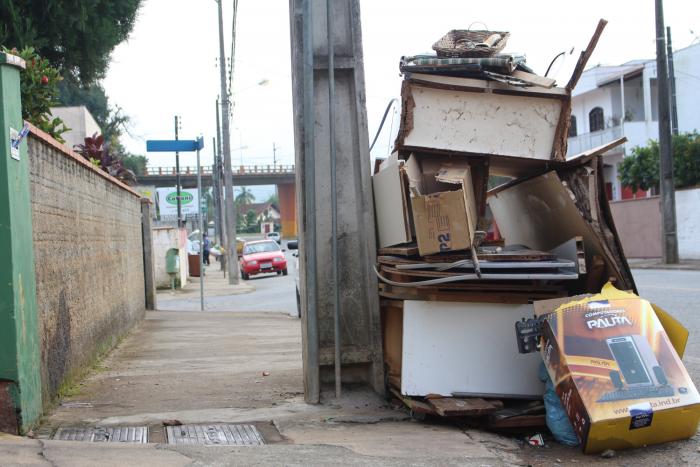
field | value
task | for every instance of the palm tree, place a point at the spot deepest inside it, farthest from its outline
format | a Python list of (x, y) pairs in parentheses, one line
[(245, 197)]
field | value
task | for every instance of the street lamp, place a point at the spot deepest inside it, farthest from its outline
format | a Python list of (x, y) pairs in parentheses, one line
[(240, 148)]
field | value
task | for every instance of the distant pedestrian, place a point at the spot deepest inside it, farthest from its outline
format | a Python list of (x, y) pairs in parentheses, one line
[(207, 249)]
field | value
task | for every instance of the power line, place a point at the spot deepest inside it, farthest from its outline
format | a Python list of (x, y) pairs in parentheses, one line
[(233, 48)]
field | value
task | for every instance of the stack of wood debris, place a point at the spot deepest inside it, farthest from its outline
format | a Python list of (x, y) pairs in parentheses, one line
[(480, 213)]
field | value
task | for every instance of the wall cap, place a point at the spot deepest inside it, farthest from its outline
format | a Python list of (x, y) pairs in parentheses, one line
[(49, 140)]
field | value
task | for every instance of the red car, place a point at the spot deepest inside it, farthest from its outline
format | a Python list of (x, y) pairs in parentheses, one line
[(260, 257)]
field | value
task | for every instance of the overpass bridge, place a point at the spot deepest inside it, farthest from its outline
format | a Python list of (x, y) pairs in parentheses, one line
[(243, 175)]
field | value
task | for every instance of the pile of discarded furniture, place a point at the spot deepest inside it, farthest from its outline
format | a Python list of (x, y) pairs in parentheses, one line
[(481, 219)]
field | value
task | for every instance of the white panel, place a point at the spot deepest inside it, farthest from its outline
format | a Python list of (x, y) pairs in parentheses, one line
[(466, 348), (484, 123)]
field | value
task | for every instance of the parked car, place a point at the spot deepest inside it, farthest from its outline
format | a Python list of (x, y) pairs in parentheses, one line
[(294, 245), (274, 236), (262, 256)]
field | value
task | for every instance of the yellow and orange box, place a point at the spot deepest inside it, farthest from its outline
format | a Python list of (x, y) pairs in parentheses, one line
[(614, 360)]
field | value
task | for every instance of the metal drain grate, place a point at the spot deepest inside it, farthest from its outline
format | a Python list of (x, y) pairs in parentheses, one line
[(112, 434), (223, 435)]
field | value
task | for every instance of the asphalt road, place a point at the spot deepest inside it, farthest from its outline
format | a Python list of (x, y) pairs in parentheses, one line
[(677, 292), (273, 293)]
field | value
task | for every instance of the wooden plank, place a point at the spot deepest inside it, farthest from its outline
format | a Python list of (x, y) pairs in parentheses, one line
[(409, 249), (534, 79), (412, 404), (520, 421), (585, 55), (457, 407)]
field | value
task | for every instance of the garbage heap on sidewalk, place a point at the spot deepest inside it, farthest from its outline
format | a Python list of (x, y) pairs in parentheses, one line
[(482, 223)]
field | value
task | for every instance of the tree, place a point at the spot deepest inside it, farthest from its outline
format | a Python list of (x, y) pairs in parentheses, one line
[(250, 220), (136, 164), (77, 36), (245, 197), (640, 170), (274, 199)]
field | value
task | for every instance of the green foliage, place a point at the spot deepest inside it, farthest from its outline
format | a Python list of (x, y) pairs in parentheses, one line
[(640, 171), (97, 152), (137, 164), (39, 91), (246, 196), (250, 219), (76, 36)]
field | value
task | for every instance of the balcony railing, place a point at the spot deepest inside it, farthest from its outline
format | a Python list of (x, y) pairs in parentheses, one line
[(586, 141)]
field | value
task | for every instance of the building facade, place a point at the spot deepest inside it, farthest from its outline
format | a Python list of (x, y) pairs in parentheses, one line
[(614, 101)]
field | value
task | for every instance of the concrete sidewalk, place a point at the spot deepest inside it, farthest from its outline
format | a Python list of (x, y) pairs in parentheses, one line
[(234, 367), (215, 284)]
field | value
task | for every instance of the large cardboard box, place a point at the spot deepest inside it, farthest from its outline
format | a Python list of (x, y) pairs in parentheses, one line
[(617, 372), (443, 204)]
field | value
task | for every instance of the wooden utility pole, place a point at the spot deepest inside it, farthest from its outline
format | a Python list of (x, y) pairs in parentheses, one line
[(668, 196)]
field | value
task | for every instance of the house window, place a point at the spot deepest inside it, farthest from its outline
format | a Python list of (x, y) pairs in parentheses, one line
[(572, 127), (596, 120)]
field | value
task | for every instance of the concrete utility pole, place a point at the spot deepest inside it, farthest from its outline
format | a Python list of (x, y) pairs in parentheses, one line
[(220, 172), (668, 196), (672, 81), (231, 255)]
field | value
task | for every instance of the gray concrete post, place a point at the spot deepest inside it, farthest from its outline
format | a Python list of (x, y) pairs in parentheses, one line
[(360, 328)]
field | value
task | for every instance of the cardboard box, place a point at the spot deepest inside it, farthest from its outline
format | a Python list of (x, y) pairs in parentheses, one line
[(618, 373), (443, 204)]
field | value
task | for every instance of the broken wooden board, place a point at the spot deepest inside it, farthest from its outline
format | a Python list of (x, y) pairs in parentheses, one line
[(533, 79), (413, 405), (520, 421), (409, 249), (469, 407), (438, 111)]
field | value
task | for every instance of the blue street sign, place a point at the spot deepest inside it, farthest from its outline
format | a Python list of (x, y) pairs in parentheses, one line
[(180, 145)]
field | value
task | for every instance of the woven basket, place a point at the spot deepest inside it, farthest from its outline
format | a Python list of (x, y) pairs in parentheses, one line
[(463, 43)]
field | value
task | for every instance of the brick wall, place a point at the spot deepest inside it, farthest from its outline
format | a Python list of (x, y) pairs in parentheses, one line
[(89, 259)]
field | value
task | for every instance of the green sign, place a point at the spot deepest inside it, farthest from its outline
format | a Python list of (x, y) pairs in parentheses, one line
[(185, 198)]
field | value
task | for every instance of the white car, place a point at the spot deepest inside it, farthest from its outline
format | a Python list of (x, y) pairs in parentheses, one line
[(294, 245), (274, 236)]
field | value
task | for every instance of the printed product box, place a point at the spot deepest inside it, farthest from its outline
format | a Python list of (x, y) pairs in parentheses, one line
[(618, 374)]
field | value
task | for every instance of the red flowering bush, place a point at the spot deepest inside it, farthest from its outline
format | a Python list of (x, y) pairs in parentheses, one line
[(39, 88)]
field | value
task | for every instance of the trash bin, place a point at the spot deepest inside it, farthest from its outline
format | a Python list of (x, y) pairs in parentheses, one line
[(193, 262)]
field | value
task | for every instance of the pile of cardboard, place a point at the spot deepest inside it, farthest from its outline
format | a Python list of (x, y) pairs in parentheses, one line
[(479, 215)]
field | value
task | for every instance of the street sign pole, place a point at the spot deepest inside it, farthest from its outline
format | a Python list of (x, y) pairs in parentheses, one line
[(177, 175), (188, 146)]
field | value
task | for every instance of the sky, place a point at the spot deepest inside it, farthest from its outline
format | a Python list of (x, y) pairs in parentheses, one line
[(169, 64)]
